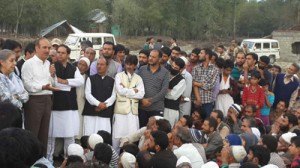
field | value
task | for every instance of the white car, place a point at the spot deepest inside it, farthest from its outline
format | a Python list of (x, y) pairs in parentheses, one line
[(268, 47), (73, 41)]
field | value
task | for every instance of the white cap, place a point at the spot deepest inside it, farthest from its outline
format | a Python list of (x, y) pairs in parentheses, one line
[(86, 60), (210, 164), (94, 139), (183, 159), (239, 152), (56, 41), (128, 160), (184, 59), (75, 149), (256, 132), (270, 166), (288, 136)]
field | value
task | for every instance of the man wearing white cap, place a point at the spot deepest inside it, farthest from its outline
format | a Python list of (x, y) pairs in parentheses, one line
[(232, 156), (283, 144), (83, 66), (185, 105), (127, 160), (232, 119)]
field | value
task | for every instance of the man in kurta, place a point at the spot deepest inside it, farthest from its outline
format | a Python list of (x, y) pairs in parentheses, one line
[(129, 89), (64, 121), (100, 96)]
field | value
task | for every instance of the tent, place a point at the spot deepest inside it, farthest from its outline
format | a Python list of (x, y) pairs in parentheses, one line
[(62, 28)]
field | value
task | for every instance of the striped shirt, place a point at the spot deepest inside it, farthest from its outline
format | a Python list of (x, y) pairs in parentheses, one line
[(208, 78), (156, 86)]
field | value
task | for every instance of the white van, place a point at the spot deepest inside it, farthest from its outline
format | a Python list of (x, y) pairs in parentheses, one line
[(268, 47), (73, 41)]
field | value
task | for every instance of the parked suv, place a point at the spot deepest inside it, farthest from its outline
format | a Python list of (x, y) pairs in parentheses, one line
[(97, 39), (268, 47)]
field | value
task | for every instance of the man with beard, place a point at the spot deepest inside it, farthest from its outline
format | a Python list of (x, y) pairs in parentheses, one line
[(194, 60), (162, 158), (143, 59), (166, 52), (250, 112), (205, 77), (156, 82), (232, 119), (288, 123), (113, 66), (284, 142), (289, 83), (175, 53), (259, 155), (236, 73), (214, 139), (176, 88), (238, 67), (263, 70)]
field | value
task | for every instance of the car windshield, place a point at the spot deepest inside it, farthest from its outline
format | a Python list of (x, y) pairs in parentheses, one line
[(71, 40), (248, 43)]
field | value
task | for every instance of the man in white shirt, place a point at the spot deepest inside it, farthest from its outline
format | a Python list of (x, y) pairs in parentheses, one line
[(38, 81), (183, 140), (186, 105), (129, 89), (176, 88)]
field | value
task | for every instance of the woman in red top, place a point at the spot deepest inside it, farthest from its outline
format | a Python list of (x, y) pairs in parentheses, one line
[(253, 93)]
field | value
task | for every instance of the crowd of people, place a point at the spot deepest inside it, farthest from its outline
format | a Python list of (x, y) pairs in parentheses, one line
[(162, 108)]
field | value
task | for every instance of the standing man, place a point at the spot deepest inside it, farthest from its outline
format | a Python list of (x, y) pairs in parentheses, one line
[(185, 103), (166, 52), (64, 121), (29, 53), (263, 70), (289, 83), (38, 81), (113, 66), (143, 59), (236, 74), (129, 89), (222, 53), (205, 77), (156, 82), (176, 88), (194, 60), (100, 96), (249, 67)]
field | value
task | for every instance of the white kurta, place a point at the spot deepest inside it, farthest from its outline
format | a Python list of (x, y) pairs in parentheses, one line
[(92, 124), (126, 124), (66, 123), (80, 102), (173, 115), (224, 101), (185, 107)]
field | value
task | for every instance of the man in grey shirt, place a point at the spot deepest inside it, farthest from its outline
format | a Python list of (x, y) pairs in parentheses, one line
[(156, 82)]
